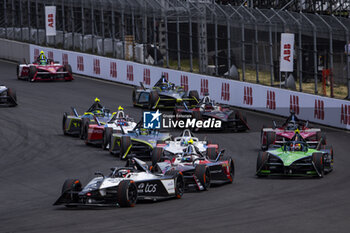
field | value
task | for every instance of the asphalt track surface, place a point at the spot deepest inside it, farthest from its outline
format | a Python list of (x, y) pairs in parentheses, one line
[(35, 159)]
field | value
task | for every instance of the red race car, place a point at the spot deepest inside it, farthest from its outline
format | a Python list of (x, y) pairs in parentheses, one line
[(277, 135), (44, 72), (199, 170)]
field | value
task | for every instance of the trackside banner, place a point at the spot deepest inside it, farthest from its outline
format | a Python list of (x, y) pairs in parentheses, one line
[(50, 20), (323, 110), (287, 52)]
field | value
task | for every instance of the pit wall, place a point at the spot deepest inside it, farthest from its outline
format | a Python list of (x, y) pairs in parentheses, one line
[(318, 109)]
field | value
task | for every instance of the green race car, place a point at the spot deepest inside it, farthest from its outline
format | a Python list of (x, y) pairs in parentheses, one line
[(295, 158)]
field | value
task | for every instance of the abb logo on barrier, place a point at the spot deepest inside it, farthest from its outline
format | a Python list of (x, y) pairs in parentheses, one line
[(129, 73), (225, 91), (97, 68), (271, 100), (113, 69), (50, 19), (80, 63), (166, 75), (204, 86), (184, 82), (248, 96), (36, 54), (287, 52), (147, 76), (345, 114), (294, 103), (50, 55), (319, 110), (64, 59)]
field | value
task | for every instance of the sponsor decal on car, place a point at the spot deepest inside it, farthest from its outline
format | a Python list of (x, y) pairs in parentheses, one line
[(147, 188)]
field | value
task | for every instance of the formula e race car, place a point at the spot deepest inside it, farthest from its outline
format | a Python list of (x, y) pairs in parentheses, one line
[(139, 142), (8, 96), (179, 144), (207, 109), (295, 158), (74, 124), (277, 135), (198, 169), (98, 133), (123, 187), (163, 95), (44, 72)]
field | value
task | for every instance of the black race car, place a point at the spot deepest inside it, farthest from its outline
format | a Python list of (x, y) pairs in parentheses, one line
[(163, 95), (207, 109)]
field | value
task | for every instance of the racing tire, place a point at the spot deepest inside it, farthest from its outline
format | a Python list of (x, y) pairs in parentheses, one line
[(83, 132), (134, 97), (270, 139), (71, 185), (318, 136), (157, 154), (68, 68), (179, 182), (32, 72), (64, 120), (125, 143), (329, 160), (12, 93), (231, 164), (106, 139), (202, 172), (260, 163), (153, 98), (323, 140), (127, 193), (17, 72), (194, 94), (318, 160), (211, 153)]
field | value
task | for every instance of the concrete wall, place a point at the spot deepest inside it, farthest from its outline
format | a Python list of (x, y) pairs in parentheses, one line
[(14, 51)]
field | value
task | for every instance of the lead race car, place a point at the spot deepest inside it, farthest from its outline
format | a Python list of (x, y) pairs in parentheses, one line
[(163, 95), (278, 135), (99, 133), (139, 141), (207, 109), (199, 170), (44, 71), (295, 158), (74, 124), (8, 96), (123, 187)]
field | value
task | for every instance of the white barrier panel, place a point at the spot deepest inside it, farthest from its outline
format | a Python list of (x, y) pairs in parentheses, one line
[(324, 110)]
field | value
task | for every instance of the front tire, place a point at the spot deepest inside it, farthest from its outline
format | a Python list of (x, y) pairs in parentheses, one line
[(157, 154), (64, 121), (179, 182), (318, 160), (125, 143), (211, 153), (260, 163), (202, 172), (127, 193)]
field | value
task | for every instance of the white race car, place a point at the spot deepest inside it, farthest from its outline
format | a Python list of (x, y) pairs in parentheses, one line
[(123, 187), (179, 144), (7, 96)]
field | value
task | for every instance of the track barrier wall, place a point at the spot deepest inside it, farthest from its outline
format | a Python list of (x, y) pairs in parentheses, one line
[(323, 110)]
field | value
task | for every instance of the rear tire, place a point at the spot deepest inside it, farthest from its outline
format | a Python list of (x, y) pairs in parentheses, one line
[(260, 163), (64, 120), (106, 139), (68, 68), (153, 98), (202, 172), (12, 93), (125, 143), (32, 72), (231, 167), (211, 153), (270, 139), (83, 132), (127, 193), (157, 154), (179, 182), (318, 160), (194, 94)]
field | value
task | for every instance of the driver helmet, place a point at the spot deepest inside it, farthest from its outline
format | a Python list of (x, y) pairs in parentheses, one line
[(296, 146)]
